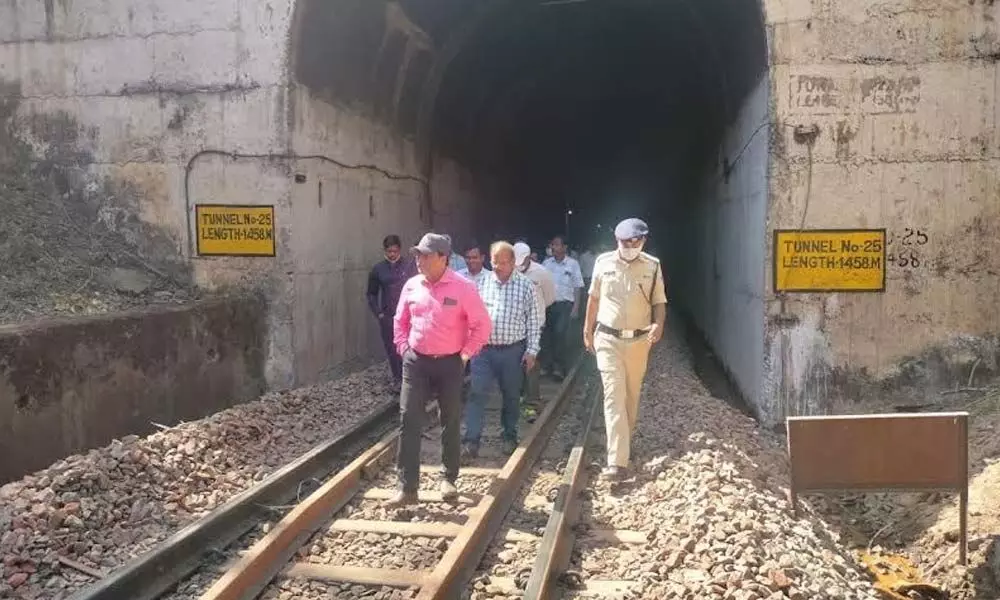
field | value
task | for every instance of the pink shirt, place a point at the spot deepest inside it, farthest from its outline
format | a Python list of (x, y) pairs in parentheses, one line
[(446, 317)]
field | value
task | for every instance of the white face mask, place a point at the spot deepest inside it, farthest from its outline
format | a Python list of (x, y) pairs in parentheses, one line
[(629, 254)]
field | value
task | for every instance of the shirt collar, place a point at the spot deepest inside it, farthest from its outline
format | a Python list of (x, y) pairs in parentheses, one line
[(493, 275), (449, 276), (618, 257)]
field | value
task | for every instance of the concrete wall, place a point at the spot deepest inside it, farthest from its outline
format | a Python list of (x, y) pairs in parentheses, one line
[(138, 91), (720, 246), (146, 89), (68, 386), (339, 217), (901, 93), (903, 96)]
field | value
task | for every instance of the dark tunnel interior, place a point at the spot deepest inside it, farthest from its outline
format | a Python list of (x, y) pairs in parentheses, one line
[(606, 108), (610, 109)]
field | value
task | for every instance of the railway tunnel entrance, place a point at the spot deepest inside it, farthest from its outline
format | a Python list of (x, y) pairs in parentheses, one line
[(565, 116)]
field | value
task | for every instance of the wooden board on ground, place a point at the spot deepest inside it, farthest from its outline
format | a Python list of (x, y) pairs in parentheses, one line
[(920, 451)]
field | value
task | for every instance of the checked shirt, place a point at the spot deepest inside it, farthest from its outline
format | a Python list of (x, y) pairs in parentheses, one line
[(513, 310)]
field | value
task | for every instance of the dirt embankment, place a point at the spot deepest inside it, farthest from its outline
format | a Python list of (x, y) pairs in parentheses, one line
[(922, 528), (71, 240)]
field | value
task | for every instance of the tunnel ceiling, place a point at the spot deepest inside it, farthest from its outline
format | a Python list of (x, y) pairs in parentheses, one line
[(555, 99)]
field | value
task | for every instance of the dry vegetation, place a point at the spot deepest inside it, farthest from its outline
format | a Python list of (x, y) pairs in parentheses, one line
[(71, 244)]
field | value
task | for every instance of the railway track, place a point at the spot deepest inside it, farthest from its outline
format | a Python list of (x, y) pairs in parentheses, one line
[(155, 573), (465, 526), (571, 519), (345, 510)]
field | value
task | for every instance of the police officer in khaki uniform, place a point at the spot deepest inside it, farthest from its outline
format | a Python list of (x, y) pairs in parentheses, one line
[(625, 315)]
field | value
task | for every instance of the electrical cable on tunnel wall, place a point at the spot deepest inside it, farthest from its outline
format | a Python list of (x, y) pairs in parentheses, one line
[(728, 168), (278, 156)]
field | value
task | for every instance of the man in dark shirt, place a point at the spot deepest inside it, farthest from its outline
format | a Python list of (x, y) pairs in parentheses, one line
[(385, 282)]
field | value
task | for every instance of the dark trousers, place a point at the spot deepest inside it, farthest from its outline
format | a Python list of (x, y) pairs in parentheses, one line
[(555, 347), (502, 363), (395, 360), (423, 376), (532, 388)]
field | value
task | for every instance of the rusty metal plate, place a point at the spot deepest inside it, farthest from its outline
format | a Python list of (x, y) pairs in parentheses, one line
[(872, 452)]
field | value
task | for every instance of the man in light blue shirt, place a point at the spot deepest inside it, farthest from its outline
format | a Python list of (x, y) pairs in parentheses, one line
[(512, 304), (456, 262), (566, 274)]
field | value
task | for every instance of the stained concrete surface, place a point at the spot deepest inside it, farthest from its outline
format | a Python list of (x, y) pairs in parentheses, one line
[(716, 249), (67, 386), (902, 96)]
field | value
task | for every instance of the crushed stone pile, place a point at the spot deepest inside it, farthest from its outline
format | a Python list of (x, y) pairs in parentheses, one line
[(711, 491), (102, 508)]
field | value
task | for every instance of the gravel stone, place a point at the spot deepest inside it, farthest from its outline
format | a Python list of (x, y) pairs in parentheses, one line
[(708, 486), (109, 505)]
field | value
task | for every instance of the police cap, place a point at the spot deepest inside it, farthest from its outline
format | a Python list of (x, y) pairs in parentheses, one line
[(631, 228)]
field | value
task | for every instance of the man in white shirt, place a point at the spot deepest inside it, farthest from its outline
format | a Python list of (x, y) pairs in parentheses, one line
[(568, 279), (587, 260), (537, 273), (546, 295)]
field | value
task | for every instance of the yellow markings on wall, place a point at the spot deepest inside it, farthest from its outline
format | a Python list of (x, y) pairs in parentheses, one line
[(829, 260), (231, 230)]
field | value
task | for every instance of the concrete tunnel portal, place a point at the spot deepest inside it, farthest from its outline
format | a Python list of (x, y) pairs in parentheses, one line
[(652, 108), (722, 122)]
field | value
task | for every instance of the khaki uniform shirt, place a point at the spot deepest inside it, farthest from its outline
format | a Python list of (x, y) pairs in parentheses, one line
[(623, 289)]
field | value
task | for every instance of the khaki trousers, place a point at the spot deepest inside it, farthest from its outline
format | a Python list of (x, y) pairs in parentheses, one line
[(622, 364)]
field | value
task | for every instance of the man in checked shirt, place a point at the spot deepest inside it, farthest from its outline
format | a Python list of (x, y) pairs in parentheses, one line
[(511, 302)]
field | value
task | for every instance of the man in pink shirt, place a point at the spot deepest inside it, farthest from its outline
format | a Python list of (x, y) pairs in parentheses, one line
[(440, 324)]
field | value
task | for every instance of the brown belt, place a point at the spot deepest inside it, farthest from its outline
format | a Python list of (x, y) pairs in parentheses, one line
[(622, 334)]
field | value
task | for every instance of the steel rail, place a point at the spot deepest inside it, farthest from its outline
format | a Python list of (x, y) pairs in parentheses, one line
[(557, 541), (151, 575), (459, 563), (265, 559), (269, 556)]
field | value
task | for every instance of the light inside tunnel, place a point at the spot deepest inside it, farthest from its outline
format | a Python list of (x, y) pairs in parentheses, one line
[(609, 109)]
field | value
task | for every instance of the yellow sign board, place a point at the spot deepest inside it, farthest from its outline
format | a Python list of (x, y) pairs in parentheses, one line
[(829, 260), (232, 230)]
